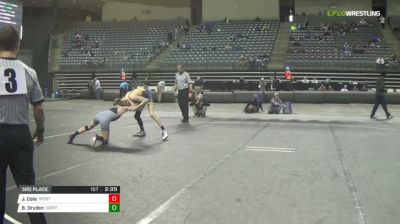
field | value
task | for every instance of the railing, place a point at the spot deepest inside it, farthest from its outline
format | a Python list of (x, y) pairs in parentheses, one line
[(71, 84)]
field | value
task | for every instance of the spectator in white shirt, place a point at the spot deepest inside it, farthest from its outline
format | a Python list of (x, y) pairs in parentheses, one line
[(382, 21), (97, 88), (380, 61), (344, 89)]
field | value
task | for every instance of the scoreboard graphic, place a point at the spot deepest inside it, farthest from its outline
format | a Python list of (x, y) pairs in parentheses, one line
[(11, 14), (69, 199)]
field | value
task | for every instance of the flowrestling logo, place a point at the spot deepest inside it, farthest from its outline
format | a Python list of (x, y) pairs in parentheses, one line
[(352, 13)]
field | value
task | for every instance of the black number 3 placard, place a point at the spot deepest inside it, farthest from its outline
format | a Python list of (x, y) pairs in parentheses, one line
[(11, 85)]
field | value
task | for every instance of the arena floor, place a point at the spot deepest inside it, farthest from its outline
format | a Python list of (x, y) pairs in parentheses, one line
[(323, 164)]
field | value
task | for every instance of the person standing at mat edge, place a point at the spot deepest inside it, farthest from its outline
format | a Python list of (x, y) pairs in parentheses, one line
[(184, 86), (380, 98), (19, 86)]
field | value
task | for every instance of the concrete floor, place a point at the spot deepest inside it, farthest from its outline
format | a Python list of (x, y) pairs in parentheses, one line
[(323, 164)]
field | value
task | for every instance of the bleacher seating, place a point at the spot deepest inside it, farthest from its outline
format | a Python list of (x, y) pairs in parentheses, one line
[(315, 47), (120, 44), (395, 21), (72, 84), (224, 43)]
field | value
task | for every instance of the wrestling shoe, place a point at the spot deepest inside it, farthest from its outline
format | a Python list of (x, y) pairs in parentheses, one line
[(94, 140), (164, 135), (140, 134), (71, 139)]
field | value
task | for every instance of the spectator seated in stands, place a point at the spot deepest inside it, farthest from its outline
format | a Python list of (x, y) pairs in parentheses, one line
[(346, 49), (323, 27), (276, 83), (344, 89), (364, 88), (330, 88), (375, 39), (228, 47), (342, 32), (77, 38), (358, 86), (328, 80), (259, 62), (252, 61), (199, 106), (183, 46), (254, 106), (102, 62), (295, 44), (96, 45), (395, 59), (67, 53), (305, 80), (264, 28), (226, 20), (363, 22), (242, 61), (257, 20), (380, 62), (322, 87), (315, 84), (396, 28)]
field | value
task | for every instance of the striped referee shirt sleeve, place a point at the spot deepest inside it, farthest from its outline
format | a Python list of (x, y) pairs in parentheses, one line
[(36, 94), (188, 79)]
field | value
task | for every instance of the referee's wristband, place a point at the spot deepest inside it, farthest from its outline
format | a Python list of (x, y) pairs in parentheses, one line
[(39, 131)]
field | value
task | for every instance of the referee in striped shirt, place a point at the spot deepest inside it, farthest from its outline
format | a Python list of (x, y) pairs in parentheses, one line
[(19, 86)]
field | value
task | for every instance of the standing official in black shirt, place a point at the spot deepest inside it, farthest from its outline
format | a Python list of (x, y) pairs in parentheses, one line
[(380, 98)]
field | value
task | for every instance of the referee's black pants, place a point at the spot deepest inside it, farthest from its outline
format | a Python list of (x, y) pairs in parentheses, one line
[(183, 101), (16, 152), (380, 100)]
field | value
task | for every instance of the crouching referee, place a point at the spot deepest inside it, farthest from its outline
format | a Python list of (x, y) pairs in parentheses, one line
[(19, 86)]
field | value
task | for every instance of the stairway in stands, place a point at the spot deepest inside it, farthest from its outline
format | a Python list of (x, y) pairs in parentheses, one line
[(391, 40), (155, 63), (281, 46), (56, 53)]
